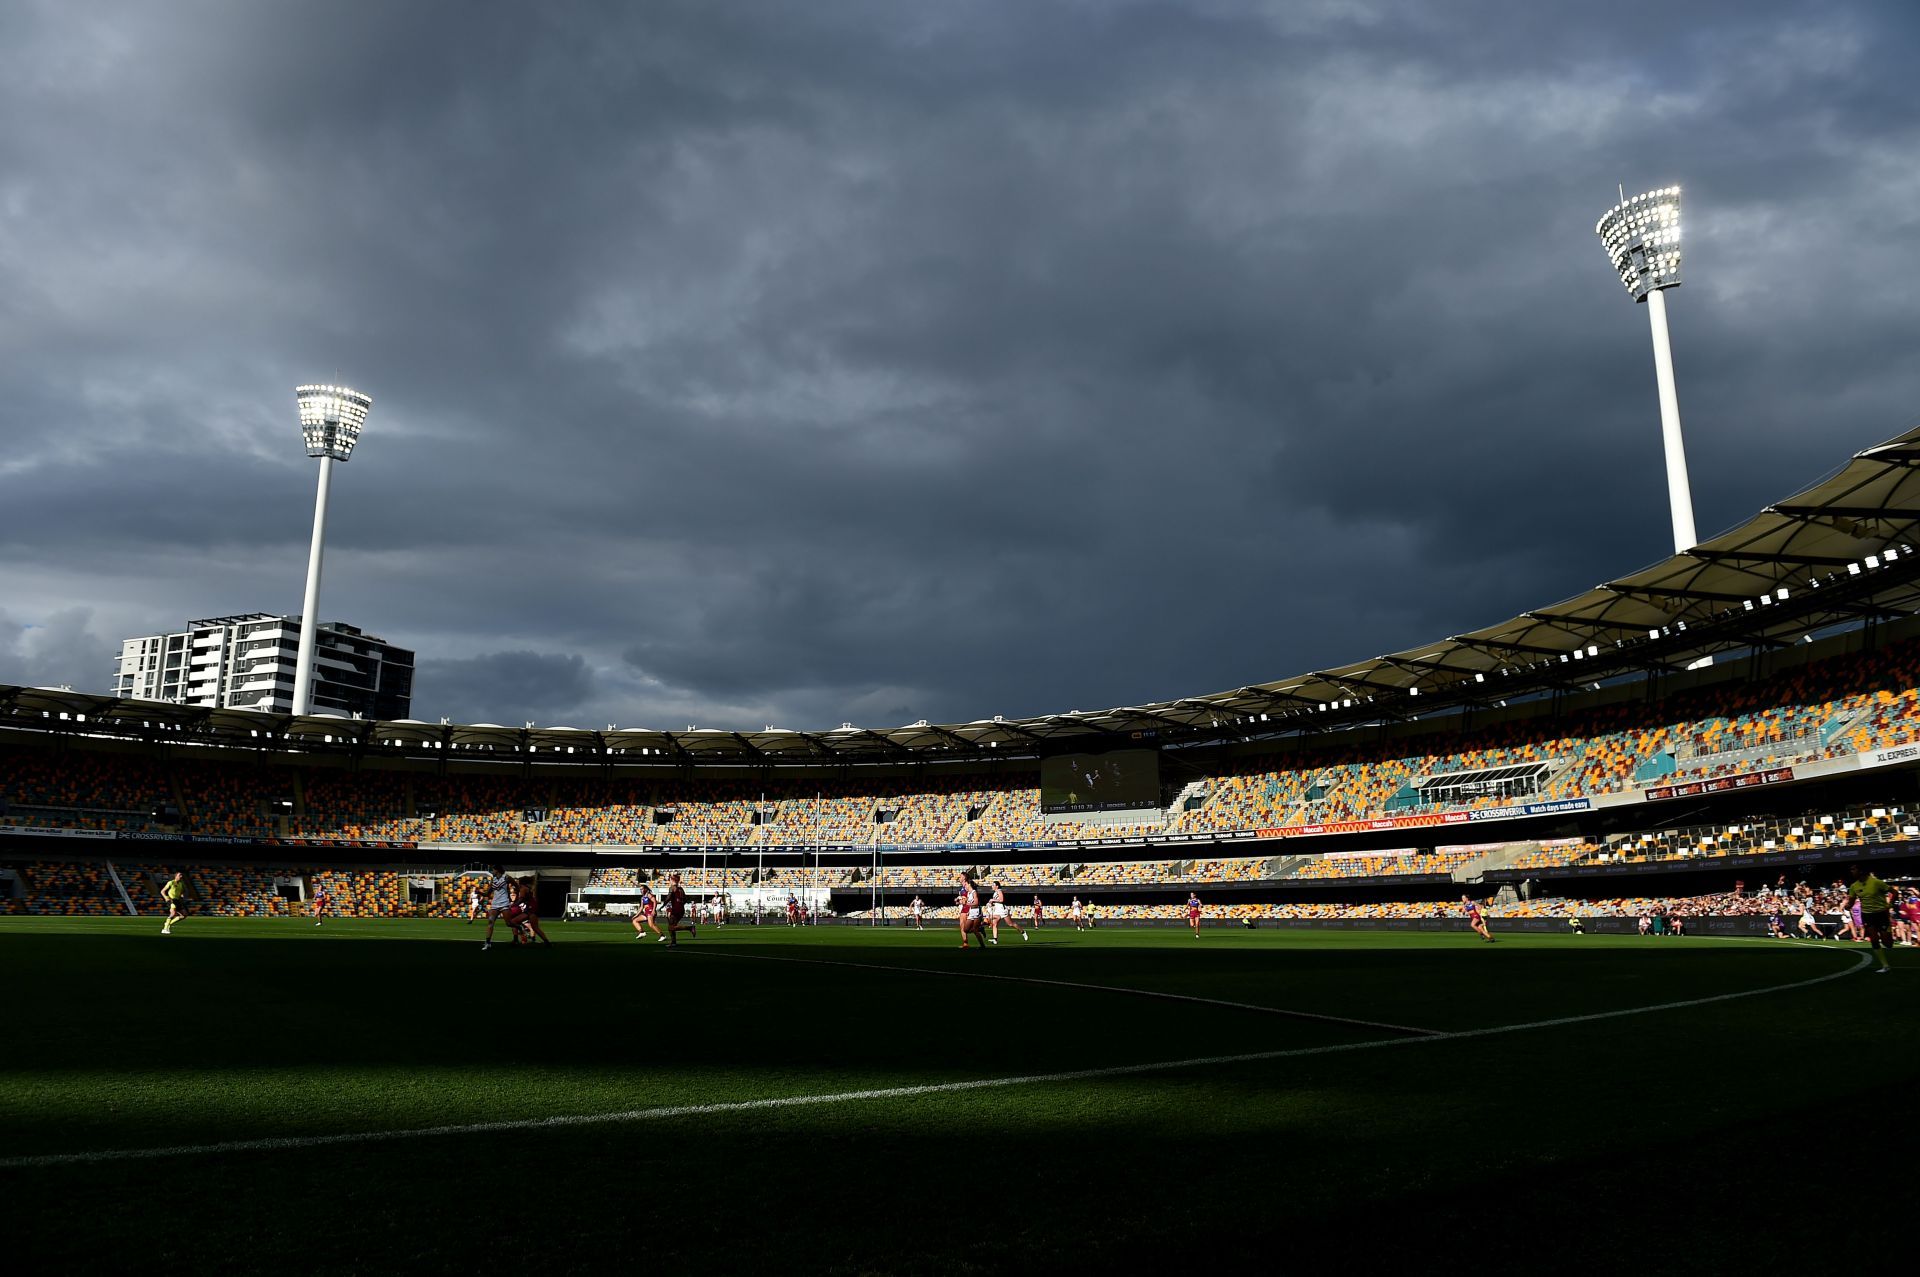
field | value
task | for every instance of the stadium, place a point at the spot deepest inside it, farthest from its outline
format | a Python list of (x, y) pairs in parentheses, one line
[(886, 366), (1683, 762)]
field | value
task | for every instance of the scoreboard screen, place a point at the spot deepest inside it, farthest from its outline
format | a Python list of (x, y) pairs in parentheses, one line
[(1122, 780)]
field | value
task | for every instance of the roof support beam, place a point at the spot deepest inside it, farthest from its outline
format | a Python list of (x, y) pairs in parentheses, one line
[(1863, 513), (1655, 592), (1739, 556)]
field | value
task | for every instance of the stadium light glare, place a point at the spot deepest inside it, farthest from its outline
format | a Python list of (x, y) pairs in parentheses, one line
[(1642, 238), (331, 418)]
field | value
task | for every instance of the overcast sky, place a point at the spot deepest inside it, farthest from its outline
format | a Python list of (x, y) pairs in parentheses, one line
[(771, 363)]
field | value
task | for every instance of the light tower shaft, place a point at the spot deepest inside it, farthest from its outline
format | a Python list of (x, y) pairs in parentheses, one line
[(1642, 239), (310, 607), (1679, 491)]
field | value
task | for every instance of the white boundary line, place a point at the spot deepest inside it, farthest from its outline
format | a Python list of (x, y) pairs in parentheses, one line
[(34, 1161), (1076, 984)]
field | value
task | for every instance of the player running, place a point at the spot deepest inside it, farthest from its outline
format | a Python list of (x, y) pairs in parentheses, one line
[(322, 903), (527, 901), (1077, 915), (1193, 913), (473, 904), (968, 902), (997, 913), (499, 900), (516, 917), (793, 910), (175, 894), (677, 913), (1808, 923), (643, 915), (917, 911), (1475, 921)]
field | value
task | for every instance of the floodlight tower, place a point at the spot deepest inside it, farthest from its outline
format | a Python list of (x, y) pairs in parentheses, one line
[(330, 420), (1642, 236)]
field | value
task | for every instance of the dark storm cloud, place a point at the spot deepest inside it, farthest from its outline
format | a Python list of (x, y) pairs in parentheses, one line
[(47, 653), (738, 364), (543, 686)]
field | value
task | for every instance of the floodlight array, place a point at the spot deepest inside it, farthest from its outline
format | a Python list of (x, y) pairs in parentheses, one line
[(1642, 237), (331, 418)]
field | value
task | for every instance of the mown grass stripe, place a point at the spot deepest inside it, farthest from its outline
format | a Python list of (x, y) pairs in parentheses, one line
[(1287, 1012), (1861, 962)]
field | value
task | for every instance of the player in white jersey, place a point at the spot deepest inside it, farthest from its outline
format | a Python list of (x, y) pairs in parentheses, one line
[(500, 891), (997, 913), (473, 904), (1078, 914), (917, 911), (1809, 923)]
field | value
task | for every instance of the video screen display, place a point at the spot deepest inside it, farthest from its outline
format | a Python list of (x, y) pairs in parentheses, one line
[(1124, 780)]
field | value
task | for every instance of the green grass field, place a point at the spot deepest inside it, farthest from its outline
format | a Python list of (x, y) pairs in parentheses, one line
[(732, 1123)]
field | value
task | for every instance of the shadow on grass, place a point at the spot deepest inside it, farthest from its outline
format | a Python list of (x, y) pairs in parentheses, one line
[(1446, 1175)]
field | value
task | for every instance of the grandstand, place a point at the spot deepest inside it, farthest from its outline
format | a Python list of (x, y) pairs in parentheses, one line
[(1823, 717), (1549, 746)]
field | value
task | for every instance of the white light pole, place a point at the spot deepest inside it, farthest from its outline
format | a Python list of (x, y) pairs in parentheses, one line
[(330, 421), (1642, 237)]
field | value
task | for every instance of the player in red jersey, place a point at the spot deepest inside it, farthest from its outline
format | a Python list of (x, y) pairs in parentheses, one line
[(643, 915), (793, 910), (997, 913), (1910, 910), (322, 902), (529, 903), (968, 902), (1193, 913), (677, 912), (1474, 919), (516, 919), (1037, 918)]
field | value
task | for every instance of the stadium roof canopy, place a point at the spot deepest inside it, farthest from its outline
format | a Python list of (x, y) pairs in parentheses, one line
[(1840, 552)]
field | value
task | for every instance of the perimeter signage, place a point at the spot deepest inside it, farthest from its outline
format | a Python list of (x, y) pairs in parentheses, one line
[(1893, 754), (229, 840), (1719, 784), (1384, 823), (57, 833)]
